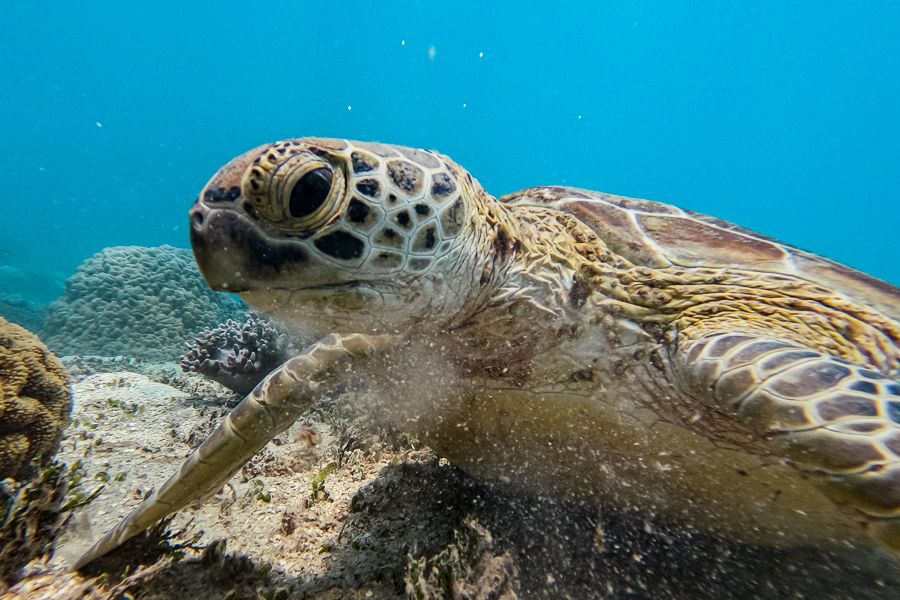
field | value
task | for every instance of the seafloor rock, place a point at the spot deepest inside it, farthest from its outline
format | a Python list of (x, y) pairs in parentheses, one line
[(34, 400), (239, 355), (32, 512), (135, 301), (365, 512), (466, 568)]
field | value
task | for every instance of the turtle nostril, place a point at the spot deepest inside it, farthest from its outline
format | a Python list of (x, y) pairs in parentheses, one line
[(250, 210)]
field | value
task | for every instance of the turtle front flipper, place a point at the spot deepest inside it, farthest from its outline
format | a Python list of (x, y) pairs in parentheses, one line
[(267, 411), (826, 416)]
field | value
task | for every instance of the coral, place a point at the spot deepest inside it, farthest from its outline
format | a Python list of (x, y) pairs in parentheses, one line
[(137, 302), (239, 355), (35, 400)]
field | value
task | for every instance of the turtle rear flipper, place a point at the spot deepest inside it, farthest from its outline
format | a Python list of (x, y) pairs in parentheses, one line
[(269, 409), (835, 420)]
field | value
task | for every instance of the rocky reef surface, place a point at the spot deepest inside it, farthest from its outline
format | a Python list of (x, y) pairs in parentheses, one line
[(345, 505)]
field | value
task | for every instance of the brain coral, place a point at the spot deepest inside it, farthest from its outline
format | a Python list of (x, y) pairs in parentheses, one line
[(135, 301), (34, 400)]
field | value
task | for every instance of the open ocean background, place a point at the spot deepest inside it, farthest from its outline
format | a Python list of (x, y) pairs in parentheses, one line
[(783, 117)]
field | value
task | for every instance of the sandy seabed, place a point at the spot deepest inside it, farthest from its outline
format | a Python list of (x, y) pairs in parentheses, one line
[(343, 506)]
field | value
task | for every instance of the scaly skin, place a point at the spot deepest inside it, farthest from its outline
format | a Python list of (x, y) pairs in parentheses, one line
[(559, 338)]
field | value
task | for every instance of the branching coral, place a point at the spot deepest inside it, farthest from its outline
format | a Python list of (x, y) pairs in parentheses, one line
[(35, 400), (239, 355), (135, 301)]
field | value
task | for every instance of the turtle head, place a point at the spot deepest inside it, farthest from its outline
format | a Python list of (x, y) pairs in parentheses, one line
[(347, 236)]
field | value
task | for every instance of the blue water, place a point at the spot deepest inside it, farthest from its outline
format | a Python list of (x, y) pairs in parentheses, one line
[(780, 116)]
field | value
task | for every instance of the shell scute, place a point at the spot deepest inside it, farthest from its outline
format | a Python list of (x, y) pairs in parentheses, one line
[(638, 204), (618, 229), (688, 242), (655, 234)]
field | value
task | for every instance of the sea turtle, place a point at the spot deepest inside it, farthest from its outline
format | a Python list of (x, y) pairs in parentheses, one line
[(559, 338)]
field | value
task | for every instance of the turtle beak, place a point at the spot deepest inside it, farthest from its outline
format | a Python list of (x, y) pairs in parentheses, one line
[(218, 225), (235, 255), (229, 239), (215, 233)]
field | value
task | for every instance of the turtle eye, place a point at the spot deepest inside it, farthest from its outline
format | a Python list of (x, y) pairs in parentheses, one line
[(310, 193)]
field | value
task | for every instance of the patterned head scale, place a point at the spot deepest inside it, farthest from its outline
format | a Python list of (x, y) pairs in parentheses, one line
[(313, 214)]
